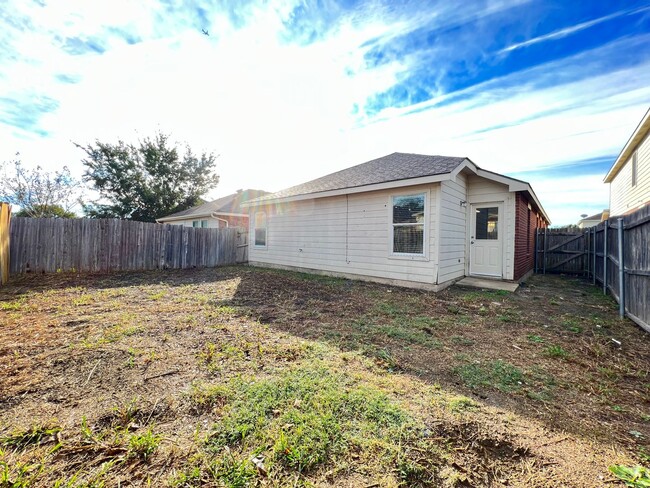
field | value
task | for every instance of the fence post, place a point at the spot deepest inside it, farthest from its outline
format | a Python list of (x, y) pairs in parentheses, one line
[(588, 246), (536, 248), (605, 257), (621, 270), (545, 248), (594, 270)]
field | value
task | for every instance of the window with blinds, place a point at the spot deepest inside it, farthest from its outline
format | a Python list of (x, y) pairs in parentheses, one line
[(408, 224)]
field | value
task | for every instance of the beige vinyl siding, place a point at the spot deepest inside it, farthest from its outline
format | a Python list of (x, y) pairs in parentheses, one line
[(481, 190), (453, 229), (624, 197), (212, 223), (348, 234)]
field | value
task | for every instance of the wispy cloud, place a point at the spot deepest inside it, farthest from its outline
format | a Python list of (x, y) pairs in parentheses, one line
[(289, 91), (567, 31)]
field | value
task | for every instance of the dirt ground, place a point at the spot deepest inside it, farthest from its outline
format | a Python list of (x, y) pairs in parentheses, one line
[(150, 379)]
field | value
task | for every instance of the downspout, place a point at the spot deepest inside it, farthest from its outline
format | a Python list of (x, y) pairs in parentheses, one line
[(219, 219)]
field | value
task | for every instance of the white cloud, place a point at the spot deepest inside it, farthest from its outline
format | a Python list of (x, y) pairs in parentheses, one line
[(280, 113), (567, 31)]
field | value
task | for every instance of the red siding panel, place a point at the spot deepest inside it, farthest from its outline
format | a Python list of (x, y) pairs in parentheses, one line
[(233, 221), (527, 221)]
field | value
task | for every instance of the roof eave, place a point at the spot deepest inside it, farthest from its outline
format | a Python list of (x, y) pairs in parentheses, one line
[(514, 185), (632, 143), (202, 214), (422, 180)]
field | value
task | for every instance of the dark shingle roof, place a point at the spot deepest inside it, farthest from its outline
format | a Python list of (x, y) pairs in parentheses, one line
[(228, 204), (597, 216), (394, 167)]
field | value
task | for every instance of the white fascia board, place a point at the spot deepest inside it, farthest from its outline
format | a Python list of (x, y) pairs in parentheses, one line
[(513, 185), (357, 189), (630, 146), (198, 216)]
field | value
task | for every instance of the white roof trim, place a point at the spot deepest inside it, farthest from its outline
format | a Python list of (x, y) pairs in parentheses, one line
[(513, 185), (356, 189), (199, 215), (632, 143)]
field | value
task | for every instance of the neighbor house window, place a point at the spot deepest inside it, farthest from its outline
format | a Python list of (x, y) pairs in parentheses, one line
[(634, 169), (196, 223), (260, 228), (408, 224), (204, 224)]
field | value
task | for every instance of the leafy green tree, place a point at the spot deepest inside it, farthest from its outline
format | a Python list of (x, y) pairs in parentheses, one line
[(147, 181), (51, 211), (37, 192)]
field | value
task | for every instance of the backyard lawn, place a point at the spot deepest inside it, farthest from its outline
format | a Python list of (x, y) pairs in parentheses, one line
[(239, 376)]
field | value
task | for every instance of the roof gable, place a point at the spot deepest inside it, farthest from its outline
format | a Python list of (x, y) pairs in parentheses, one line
[(630, 146)]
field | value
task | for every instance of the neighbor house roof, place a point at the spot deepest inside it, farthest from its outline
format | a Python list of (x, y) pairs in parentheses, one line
[(597, 216), (637, 136), (394, 170), (228, 205)]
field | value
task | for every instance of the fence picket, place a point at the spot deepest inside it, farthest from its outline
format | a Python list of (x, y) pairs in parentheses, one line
[(625, 269), (51, 245)]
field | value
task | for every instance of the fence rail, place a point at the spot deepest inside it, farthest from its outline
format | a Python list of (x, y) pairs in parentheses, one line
[(59, 245), (614, 254), (5, 217)]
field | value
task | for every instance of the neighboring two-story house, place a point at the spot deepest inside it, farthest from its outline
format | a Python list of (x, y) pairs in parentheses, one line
[(629, 177)]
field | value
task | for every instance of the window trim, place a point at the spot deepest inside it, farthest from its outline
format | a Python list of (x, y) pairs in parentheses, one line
[(635, 168), (196, 224), (266, 229), (424, 256)]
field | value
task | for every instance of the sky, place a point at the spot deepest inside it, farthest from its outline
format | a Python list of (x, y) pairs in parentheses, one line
[(285, 92)]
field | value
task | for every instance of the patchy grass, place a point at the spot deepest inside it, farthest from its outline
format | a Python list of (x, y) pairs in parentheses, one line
[(255, 377), (494, 374), (555, 351)]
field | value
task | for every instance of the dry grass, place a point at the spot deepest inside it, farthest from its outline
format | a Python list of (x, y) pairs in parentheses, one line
[(246, 377)]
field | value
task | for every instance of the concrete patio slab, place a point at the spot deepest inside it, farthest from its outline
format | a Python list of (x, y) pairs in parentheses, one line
[(474, 282)]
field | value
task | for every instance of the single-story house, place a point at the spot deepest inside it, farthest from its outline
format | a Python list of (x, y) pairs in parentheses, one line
[(593, 220), (404, 219), (224, 212), (629, 176)]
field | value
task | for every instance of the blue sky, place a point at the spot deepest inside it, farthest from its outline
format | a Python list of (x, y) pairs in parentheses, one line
[(547, 91)]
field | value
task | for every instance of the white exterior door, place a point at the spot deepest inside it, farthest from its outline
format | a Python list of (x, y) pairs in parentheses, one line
[(486, 239)]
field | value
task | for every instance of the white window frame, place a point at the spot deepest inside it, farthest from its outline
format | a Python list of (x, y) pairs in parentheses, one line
[(196, 224), (424, 256), (635, 169), (266, 229)]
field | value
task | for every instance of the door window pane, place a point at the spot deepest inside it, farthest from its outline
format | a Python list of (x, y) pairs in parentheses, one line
[(487, 223)]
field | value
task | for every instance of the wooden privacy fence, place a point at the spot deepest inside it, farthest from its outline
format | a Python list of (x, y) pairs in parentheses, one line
[(59, 245), (615, 254), (5, 217)]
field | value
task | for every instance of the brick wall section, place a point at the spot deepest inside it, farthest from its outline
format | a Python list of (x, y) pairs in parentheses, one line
[(234, 221), (526, 222)]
